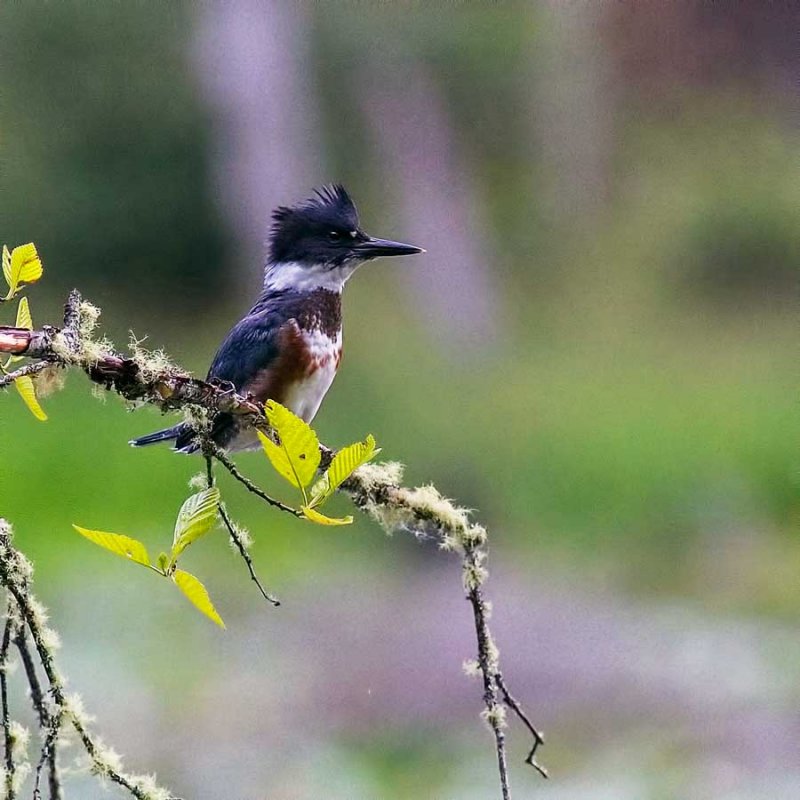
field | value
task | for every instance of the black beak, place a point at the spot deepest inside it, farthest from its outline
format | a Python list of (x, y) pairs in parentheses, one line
[(373, 248)]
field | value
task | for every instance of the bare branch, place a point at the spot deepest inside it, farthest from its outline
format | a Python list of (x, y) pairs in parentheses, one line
[(240, 546), (28, 369), (237, 540), (487, 660), (247, 483), (48, 755), (538, 739), (49, 752), (11, 765)]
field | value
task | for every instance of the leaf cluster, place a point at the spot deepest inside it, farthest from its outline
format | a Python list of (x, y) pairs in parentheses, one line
[(196, 518), (21, 267), (295, 455)]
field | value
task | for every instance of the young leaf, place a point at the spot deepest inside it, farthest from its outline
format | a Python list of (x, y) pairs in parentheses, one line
[(120, 545), (278, 459), (321, 519), (24, 319), (197, 595), (28, 394), (25, 385), (24, 267), (297, 457), (26, 264), (196, 518), (7, 266), (343, 465)]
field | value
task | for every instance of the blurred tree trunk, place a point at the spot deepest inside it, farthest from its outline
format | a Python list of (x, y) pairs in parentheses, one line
[(252, 57), (572, 106), (408, 118)]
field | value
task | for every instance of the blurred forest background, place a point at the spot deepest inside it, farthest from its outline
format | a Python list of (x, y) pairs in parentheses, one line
[(598, 353)]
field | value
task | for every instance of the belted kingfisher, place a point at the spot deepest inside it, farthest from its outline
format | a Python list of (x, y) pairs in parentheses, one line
[(289, 345)]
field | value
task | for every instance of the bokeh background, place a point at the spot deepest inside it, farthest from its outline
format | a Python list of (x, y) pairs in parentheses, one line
[(597, 353)]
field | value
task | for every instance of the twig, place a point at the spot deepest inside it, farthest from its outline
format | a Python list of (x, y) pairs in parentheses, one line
[(247, 483), (37, 697), (9, 741), (487, 660), (514, 705), (28, 369), (49, 751), (48, 755), (425, 510), (237, 540), (52, 725)]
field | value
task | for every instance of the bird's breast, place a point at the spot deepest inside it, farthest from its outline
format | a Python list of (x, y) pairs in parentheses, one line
[(319, 354)]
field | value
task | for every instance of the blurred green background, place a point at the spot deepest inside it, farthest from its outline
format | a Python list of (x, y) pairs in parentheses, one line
[(597, 352)]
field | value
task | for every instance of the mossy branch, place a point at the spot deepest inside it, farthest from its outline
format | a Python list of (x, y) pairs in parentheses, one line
[(149, 378), (26, 615)]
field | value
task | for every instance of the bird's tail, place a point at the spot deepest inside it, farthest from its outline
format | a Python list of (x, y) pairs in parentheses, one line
[(182, 435)]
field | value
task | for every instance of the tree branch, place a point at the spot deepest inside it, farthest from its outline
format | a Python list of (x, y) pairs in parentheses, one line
[(49, 752), (423, 511), (29, 369), (237, 539), (487, 661), (374, 488), (15, 574), (538, 739), (10, 791), (226, 462)]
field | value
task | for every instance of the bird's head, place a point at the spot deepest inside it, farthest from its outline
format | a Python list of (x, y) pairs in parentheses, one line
[(318, 243)]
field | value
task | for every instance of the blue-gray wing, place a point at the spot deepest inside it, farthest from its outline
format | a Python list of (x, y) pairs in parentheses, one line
[(253, 357), (262, 357), (250, 347)]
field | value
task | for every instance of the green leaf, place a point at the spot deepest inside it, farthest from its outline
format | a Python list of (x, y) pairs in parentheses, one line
[(24, 319), (22, 267), (163, 562), (28, 394), (297, 457), (196, 518), (321, 519), (197, 595), (120, 545), (7, 266), (278, 459), (343, 465)]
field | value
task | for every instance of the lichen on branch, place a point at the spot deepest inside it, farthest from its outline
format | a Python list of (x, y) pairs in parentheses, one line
[(55, 709), (150, 378)]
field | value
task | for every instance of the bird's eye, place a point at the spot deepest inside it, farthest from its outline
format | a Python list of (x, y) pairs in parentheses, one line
[(334, 236)]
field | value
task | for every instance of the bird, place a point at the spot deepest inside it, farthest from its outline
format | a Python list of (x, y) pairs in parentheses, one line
[(288, 346)]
